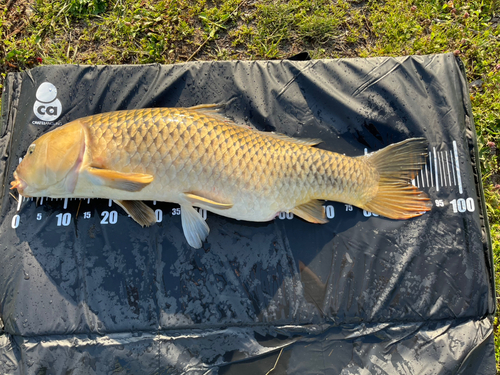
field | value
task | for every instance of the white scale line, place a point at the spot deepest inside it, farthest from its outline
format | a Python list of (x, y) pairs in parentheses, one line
[(41, 200), (436, 169), (422, 177), (430, 165), (19, 202), (88, 200), (448, 166), (21, 198), (441, 169), (65, 205), (453, 168), (110, 203), (457, 166), (440, 172), (427, 175), (444, 168)]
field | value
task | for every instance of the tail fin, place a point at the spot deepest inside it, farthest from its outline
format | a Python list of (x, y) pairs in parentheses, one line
[(397, 164)]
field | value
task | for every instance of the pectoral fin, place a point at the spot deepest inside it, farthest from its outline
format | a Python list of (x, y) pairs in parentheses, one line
[(194, 227), (139, 211), (312, 211), (118, 180), (199, 200)]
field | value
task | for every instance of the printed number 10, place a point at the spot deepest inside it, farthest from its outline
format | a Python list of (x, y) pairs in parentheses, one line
[(63, 220)]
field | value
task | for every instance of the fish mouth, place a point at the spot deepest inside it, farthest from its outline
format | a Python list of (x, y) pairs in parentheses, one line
[(18, 184)]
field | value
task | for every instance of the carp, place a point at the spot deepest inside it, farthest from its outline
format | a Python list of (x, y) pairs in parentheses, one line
[(197, 157)]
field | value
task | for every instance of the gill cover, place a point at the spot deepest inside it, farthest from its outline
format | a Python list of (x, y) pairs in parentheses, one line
[(52, 162)]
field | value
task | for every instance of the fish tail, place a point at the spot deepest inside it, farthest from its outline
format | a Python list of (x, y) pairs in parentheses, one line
[(397, 165)]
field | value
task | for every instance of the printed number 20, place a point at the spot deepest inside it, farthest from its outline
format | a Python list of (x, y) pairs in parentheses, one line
[(109, 217)]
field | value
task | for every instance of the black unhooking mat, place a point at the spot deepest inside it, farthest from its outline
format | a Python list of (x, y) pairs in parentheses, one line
[(86, 290)]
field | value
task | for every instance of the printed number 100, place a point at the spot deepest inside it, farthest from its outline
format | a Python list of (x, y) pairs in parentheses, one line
[(462, 205)]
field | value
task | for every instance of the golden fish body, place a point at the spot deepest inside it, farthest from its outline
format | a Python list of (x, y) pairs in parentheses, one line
[(196, 157), (190, 152)]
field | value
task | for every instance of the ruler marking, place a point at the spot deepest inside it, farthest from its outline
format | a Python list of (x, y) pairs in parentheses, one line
[(448, 166), (436, 168), (65, 205), (19, 202), (442, 169), (427, 175), (457, 166), (453, 168), (430, 166)]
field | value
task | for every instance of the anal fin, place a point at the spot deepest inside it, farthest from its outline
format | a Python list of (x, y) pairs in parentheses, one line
[(312, 211), (118, 180), (139, 211), (195, 228)]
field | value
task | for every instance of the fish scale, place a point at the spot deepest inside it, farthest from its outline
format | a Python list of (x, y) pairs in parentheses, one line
[(195, 156)]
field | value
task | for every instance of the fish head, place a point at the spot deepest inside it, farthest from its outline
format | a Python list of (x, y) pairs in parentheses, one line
[(51, 164)]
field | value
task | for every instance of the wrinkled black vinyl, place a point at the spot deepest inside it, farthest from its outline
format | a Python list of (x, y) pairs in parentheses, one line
[(86, 290)]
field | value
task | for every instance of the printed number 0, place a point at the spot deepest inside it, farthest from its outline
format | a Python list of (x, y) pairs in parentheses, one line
[(159, 215), (15, 221), (330, 212)]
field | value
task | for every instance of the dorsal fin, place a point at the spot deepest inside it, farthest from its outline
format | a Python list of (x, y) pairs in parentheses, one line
[(212, 110), (298, 141)]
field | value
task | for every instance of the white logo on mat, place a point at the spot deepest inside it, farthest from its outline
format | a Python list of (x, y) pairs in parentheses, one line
[(47, 107)]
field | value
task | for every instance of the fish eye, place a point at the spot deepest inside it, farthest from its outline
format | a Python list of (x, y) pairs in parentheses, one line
[(31, 149)]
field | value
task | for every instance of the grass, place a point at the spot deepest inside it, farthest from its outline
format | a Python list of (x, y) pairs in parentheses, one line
[(36, 32)]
